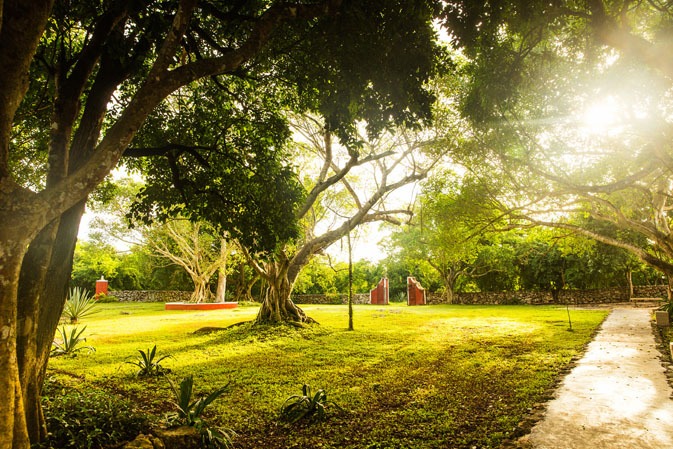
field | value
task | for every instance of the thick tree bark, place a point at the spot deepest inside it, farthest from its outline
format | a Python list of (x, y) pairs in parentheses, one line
[(448, 289), (49, 262), (629, 280), (225, 251), (13, 429), (277, 306), (33, 275)]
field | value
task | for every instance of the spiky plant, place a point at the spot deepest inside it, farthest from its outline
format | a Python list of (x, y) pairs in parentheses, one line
[(79, 304)]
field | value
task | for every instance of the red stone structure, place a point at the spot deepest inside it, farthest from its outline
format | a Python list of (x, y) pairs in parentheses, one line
[(101, 287), (415, 293), (380, 293)]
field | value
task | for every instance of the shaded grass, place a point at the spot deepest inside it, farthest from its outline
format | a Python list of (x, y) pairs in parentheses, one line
[(416, 377)]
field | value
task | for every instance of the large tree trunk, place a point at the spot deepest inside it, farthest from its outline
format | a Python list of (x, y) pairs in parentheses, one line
[(629, 280), (221, 292), (43, 286), (201, 291), (13, 430), (448, 290), (277, 306)]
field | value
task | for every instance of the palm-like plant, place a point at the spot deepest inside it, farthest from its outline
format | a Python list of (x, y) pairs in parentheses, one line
[(69, 343), (305, 405), (149, 364), (189, 413), (79, 304)]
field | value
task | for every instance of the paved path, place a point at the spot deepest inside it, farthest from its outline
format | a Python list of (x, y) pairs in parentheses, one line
[(616, 397)]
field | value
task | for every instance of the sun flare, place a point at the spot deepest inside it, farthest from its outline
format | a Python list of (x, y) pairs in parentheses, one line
[(601, 116)]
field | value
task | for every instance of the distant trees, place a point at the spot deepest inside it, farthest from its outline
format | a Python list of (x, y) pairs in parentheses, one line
[(321, 276), (570, 104)]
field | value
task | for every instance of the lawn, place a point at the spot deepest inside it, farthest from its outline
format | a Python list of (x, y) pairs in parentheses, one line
[(407, 377)]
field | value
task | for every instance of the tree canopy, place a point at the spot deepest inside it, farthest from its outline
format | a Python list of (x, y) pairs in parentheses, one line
[(570, 103)]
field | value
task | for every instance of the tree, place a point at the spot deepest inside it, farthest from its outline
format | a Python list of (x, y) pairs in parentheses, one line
[(450, 230), (196, 249), (95, 259), (388, 163), (81, 57), (571, 123)]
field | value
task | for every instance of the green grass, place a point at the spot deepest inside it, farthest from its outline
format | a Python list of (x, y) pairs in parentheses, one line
[(407, 377)]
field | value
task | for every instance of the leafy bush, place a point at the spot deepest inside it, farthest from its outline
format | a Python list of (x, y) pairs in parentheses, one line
[(70, 342), (79, 304), (88, 419), (103, 299), (667, 306), (399, 297), (189, 414), (305, 405), (148, 364)]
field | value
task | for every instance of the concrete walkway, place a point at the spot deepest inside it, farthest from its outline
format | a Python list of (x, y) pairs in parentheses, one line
[(617, 396)]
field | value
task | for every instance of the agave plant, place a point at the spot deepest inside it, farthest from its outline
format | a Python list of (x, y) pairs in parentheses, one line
[(149, 364), (189, 413), (305, 405), (69, 343), (79, 304), (667, 306)]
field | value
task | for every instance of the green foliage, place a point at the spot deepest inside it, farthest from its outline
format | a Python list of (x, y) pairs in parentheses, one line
[(89, 418), (189, 413), (79, 304), (667, 306), (103, 299), (69, 343), (149, 364), (319, 277), (399, 297), (305, 406), (96, 258)]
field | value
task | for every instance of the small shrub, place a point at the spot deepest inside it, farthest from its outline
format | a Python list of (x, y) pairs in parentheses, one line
[(667, 306), (70, 342), (79, 304), (148, 364), (399, 297), (189, 414), (305, 406), (106, 299), (90, 419)]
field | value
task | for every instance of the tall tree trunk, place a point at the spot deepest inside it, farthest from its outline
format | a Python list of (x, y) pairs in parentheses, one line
[(33, 275), (448, 291), (221, 292), (13, 430), (449, 280), (629, 280), (43, 286)]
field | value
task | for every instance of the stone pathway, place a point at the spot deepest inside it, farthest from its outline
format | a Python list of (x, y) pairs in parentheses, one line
[(617, 396)]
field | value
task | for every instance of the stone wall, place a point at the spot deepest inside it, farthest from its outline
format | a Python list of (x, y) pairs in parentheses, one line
[(358, 298), (650, 291), (151, 295), (603, 296)]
